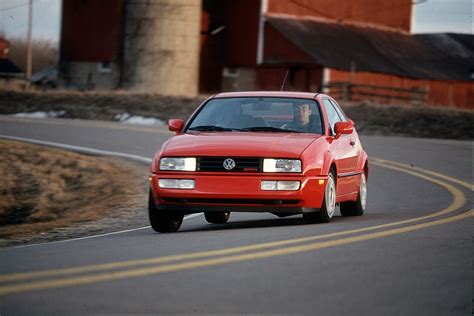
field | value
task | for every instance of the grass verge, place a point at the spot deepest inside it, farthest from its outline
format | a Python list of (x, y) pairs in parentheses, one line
[(45, 188)]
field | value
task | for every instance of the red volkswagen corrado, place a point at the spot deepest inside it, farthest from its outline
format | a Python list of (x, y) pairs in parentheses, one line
[(285, 153)]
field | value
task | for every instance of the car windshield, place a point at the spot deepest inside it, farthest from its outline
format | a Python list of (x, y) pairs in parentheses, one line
[(263, 114)]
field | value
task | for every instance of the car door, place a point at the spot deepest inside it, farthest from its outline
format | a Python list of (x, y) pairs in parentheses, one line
[(351, 152), (344, 151)]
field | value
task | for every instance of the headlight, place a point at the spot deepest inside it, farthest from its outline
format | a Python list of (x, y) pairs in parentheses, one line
[(178, 164), (281, 165)]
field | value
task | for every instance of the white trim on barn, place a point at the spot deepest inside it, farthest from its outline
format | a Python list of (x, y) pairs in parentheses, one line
[(261, 31)]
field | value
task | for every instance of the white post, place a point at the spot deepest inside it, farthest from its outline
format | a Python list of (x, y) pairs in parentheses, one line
[(29, 54), (326, 80), (261, 31), (412, 19)]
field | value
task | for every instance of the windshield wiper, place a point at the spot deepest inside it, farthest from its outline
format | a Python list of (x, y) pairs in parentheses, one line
[(208, 128), (269, 129)]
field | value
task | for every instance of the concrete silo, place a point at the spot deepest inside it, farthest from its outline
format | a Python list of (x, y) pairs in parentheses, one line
[(161, 46)]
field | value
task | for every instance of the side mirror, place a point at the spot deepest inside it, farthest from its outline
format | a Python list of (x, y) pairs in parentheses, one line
[(343, 128), (176, 125)]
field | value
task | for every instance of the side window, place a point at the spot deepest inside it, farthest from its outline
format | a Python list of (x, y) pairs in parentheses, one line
[(339, 110), (333, 116)]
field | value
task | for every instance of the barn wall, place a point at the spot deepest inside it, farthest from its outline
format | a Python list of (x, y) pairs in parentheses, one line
[(233, 46), (439, 92), (392, 13), (91, 30)]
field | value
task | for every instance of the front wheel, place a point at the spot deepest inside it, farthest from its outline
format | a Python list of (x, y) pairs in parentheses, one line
[(217, 217), (162, 221), (329, 204), (356, 208)]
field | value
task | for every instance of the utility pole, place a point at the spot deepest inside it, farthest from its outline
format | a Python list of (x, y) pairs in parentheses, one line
[(29, 55)]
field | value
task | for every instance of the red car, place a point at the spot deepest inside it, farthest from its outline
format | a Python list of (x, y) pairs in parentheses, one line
[(285, 153)]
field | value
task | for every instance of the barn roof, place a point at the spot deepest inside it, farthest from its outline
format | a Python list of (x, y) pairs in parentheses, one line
[(7, 67), (371, 49)]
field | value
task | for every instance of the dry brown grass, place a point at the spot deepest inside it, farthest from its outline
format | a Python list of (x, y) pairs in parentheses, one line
[(44, 188)]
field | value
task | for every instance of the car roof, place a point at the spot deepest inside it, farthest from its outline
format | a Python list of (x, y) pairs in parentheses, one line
[(278, 94)]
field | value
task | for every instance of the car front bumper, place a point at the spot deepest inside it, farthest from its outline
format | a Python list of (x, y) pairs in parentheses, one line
[(237, 193)]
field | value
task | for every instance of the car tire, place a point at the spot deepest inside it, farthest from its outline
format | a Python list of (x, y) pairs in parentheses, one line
[(162, 221), (328, 207), (356, 208), (217, 217)]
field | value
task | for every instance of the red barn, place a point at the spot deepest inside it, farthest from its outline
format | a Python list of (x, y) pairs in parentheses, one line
[(91, 37), (355, 49), (150, 46), (358, 49)]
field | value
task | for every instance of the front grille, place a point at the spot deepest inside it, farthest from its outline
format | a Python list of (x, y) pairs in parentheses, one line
[(242, 164)]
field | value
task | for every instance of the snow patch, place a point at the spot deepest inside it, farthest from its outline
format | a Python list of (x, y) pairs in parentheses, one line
[(138, 120), (40, 114)]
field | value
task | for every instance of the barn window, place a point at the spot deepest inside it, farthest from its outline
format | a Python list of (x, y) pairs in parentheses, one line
[(105, 67)]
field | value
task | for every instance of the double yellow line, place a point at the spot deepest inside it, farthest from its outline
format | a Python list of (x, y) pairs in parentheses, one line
[(28, 281)]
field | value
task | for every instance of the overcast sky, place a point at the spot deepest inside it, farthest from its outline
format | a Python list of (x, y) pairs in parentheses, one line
[(432, 16)]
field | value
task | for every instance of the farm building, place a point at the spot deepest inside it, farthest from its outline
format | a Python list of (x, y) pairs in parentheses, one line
[(11, 76), (358, 49)]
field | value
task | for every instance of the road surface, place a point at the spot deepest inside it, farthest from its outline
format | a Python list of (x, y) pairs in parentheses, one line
[(409, 254)]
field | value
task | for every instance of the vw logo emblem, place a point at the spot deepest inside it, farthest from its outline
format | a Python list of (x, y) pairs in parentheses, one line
[(228, 164)]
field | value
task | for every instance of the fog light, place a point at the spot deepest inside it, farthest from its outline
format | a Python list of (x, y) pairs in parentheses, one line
[(186, 184), (176, 183), (288, 185), (268, 185), (280, 185)]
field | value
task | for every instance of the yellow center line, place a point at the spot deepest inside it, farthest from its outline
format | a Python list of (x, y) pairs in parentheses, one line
[(436, 174), (11, 289), (458, 202)]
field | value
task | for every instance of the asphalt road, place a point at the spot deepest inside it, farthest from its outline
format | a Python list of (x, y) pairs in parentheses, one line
[(411, 253)]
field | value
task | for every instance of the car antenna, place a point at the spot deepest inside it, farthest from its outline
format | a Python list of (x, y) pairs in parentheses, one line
[(284, 80)]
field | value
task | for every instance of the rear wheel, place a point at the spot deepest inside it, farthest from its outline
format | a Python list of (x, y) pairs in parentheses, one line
[(329, 203), (163, 221), (217, 217), (356, 208)]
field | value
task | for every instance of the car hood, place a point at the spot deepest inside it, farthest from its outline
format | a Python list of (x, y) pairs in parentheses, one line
[(256, 144)]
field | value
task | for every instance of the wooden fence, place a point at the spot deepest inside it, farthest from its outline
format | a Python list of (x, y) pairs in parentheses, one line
[(347, 91)]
